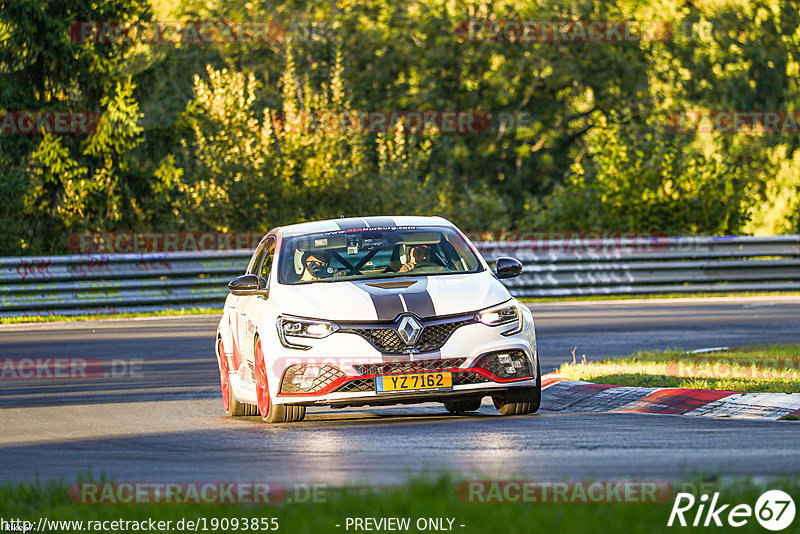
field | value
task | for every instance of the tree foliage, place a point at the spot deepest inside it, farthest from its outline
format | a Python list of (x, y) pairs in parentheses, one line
[(218, 136)]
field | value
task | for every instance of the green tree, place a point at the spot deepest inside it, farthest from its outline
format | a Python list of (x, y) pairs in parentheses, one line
[(43, 69), (637, 178)]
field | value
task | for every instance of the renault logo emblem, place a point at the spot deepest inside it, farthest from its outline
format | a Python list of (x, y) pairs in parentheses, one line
[(409, 330)]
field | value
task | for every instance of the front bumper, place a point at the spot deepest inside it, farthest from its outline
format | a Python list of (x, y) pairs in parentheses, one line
[(490, 373), (455, 394), (356, 362)]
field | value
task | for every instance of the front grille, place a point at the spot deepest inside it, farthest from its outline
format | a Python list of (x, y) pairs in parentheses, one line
[(409, 367), (468, 377), (383, 339), (436, 334), (386, 339), (518, 367), (325, 375)]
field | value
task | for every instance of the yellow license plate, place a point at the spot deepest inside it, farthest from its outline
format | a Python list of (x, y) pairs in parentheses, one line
[(412, 382)]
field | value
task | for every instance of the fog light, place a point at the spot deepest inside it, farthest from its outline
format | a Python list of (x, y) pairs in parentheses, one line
[(504, 358), (511, 370)]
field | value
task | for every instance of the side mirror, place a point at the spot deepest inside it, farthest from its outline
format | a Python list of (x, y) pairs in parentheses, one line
[(247, 284), (507, 267)]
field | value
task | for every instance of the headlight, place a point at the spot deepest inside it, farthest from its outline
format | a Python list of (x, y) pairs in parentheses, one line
[(298, 327), (503, 314)]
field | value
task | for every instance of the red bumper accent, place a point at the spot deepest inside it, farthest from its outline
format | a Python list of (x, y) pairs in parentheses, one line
[(333, 386)]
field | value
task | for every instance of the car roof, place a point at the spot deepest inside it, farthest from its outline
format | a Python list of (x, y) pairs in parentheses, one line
[(332, 225)]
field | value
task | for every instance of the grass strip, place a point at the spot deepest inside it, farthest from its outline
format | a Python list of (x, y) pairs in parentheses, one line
[(418, 498), (652, 296), (773, 368), (99, 316)]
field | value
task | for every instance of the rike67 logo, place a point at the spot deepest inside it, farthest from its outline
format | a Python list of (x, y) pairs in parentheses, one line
[(774, 510)]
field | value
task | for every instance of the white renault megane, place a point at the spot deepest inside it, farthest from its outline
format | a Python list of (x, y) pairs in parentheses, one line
[(374, 311)]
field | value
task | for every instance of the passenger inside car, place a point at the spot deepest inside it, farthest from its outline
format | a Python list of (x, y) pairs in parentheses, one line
[(420, 256), (316, 266)]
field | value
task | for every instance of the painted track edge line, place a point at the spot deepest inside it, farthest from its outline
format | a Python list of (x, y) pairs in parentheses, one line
[(577, 396)]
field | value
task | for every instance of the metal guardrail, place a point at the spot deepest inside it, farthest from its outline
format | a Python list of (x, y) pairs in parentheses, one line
[(115, 283), (652, 265)]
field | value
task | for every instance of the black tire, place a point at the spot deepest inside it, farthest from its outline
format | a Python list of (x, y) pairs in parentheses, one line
[(285, 413), (521, 401), (463, 406)]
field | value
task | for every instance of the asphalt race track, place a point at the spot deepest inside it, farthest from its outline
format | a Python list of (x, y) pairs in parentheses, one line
[(166, 424)]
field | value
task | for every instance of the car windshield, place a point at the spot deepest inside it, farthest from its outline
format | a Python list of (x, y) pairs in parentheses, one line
[(368, 253)]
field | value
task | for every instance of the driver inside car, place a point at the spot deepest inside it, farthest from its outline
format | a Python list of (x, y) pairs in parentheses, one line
[(418, 257), (317, 266)]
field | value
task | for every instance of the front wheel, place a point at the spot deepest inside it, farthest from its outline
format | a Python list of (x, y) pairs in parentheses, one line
[(522, 400), (270, 412)]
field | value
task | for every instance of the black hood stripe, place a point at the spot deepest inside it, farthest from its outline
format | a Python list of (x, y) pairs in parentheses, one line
[(387, 307), (380, 221), (420, 304), (388, 304), (349, 224)]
